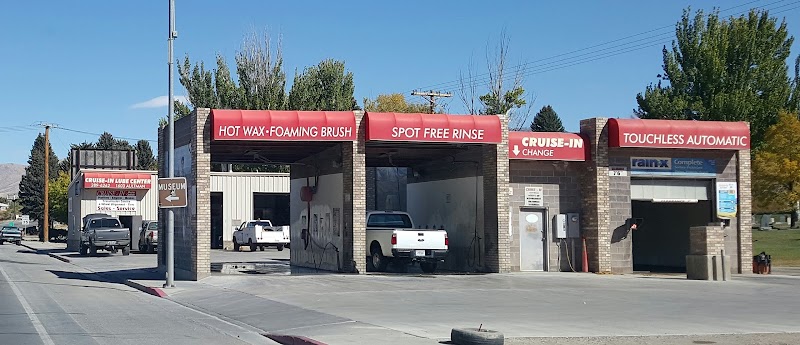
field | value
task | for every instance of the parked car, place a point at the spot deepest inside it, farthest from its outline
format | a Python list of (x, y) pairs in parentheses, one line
[(392, 238), (10, 234), (148, 237), (260, 234), (106, 233)]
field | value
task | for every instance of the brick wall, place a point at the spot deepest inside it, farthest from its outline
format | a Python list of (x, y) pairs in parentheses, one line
[(595, 218), (744, 230), (706, 240), (560, 183)]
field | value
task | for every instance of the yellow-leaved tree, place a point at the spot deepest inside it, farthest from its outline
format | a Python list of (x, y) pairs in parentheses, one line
[(776, 168)]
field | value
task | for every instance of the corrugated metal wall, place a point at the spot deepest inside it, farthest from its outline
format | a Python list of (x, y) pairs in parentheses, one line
[(237, 195)]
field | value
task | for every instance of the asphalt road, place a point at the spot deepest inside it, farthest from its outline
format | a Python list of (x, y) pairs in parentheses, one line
[(46, 301)]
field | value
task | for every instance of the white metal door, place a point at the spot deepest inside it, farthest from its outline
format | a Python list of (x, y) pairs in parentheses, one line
[(531, 240)]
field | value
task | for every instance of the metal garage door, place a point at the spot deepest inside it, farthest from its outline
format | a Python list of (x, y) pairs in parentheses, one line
[(678, 190)]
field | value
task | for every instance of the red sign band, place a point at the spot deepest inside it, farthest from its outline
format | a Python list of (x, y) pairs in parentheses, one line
[(552, 146), (274, 125), (441, 128), (678, 134), (97, 180)]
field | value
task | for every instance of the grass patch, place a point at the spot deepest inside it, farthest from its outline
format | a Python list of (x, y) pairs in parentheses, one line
[(783, 245)]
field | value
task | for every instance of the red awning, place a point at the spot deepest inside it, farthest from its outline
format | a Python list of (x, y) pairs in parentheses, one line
[(280, 125), (484, 129), (679, 134), (552, 146), (116, 180)]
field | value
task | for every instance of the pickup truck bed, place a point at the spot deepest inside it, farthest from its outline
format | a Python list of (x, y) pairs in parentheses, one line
[(392, 238)]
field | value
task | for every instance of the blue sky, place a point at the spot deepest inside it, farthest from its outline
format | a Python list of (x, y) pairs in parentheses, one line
[(86, 65)]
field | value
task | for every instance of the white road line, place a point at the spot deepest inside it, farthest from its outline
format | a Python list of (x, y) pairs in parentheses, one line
[(35, 320)]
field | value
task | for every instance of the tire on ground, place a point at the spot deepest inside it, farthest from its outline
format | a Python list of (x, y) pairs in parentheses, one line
[(474, 336)]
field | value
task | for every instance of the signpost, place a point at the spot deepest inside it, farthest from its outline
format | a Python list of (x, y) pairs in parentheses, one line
[(172, 192)]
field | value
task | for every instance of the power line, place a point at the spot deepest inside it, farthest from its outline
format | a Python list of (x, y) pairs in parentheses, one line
[(98, 134), (484, 76)]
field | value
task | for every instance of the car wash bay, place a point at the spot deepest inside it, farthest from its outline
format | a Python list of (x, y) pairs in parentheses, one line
[(662, 181), (434, 166)]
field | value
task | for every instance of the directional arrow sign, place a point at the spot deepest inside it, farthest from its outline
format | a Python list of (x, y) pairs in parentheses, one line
[(516, 150), (172, 192)]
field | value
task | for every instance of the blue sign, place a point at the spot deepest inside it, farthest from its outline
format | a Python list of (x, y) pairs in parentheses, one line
[(673, 166)]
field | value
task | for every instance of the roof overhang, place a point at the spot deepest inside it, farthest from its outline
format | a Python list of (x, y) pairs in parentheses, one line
[(434, 128), (281, 125)]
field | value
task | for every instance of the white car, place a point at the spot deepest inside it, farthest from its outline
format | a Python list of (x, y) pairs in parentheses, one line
[(260, 234), (391, 237)]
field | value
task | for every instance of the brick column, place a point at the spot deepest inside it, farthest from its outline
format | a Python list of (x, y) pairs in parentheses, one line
[(354, 216), (595, 203), (201, 169), (496, 240), (745, 231)]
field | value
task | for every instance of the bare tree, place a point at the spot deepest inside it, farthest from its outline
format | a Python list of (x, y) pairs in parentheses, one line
[(262, 80), (503, 84)]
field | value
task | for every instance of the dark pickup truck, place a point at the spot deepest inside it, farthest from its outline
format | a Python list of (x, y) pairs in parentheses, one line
[(104, 232), (10, 234)]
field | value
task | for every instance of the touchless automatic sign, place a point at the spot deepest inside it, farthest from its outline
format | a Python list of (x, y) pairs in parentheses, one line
[(678, 134), (673, 166)]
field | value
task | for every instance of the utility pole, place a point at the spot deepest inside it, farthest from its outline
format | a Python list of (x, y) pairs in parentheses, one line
[(171, 99), (46, 225), (431, 96)]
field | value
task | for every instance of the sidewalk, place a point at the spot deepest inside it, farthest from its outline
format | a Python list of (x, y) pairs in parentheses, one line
[(529, 308)]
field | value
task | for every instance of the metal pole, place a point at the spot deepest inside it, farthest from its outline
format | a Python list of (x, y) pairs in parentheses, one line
[(171, 214), (46, 226)]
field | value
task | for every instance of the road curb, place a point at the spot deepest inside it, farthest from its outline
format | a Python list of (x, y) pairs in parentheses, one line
[(292, 339), (146, 289), (39, 251)]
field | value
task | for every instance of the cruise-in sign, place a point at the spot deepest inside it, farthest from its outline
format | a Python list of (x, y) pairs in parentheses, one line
[(546, 146), (172, 192)]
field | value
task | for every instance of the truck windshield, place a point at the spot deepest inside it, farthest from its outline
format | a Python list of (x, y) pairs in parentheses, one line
[(261, 224), (104, 223), (389, 221), (152, 226)]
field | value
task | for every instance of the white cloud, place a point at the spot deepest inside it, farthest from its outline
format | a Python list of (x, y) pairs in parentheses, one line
[(158, 102)]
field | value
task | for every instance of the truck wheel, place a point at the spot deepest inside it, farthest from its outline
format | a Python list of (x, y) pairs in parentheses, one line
[(2, 243), (474, 336), (428, 267), (92, 249), (151, 248), (280, 247), (83, 251), (252, 246), (235, 245), (261, 248), (126, 250), (377, 260)]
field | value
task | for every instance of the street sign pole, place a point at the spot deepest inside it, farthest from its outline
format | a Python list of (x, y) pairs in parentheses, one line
[(171, 214)]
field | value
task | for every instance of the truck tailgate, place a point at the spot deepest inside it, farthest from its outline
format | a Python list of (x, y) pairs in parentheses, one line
[(112, 234), (421, 239)]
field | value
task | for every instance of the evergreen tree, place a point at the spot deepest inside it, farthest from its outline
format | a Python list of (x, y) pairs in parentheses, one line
[(547, 120), (144, 156), (31, 188)]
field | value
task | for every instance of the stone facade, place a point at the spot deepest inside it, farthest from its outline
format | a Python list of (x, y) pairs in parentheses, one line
[(355, 186)]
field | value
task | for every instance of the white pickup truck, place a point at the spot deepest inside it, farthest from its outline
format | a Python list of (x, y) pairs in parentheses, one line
[(391, 237), (260, 234)]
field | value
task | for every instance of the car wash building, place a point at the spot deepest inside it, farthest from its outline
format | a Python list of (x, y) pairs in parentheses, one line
[(126, 194), (625, 190)]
